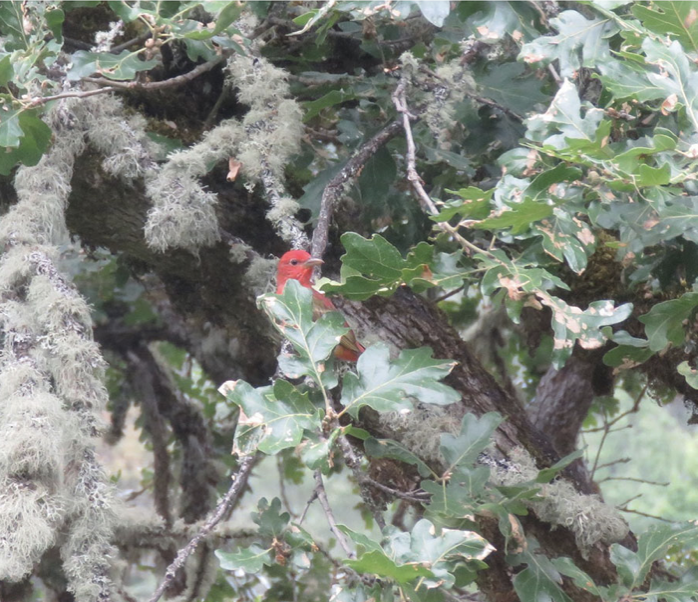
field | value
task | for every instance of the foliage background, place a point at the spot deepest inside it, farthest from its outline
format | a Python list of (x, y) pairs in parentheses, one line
[(518, 175)]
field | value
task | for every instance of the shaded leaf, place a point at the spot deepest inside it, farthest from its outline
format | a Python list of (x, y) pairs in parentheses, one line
[(474, 437), (664, 322), (391, 386), (250, 560), (270, 419)]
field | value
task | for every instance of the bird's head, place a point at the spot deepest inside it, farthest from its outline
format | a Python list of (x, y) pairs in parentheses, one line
[(296, 265)]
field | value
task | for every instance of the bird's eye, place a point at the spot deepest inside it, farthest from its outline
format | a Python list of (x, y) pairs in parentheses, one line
[(294, 262)]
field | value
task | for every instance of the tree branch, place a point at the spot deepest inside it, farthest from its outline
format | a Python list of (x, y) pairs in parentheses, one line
[(173, 82), (324, 502), (334, 190), (239, 482)]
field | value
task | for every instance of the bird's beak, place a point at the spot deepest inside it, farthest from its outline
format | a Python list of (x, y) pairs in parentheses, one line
[(312, 262)]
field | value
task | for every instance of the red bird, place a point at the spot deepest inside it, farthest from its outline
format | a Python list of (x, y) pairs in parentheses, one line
[(298, 265)]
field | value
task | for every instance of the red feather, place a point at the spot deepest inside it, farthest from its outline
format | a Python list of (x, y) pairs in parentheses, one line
[(298, 265)]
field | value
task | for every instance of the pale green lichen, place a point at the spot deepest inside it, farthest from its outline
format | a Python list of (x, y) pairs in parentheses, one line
[(50, 383), (259, 276), (183, 212), (273, 127), (559, 503)]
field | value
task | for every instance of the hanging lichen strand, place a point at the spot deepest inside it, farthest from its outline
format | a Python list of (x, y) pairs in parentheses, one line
[(273, 128), (183, 212), (50, 383)]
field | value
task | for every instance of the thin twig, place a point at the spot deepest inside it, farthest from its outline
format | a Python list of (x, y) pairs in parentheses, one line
[(449, 294), (634, 480), (173, 82), (496, 105), (353, 462), (282, 487), (336, 186), (34, 102), (239, 482), (666, 520), (324, 502), (613, 463), (626, 502), (128, 43), (400, 102), (418, 497), (309, 503)]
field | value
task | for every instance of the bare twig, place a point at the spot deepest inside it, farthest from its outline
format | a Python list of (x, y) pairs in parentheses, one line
[(613, 463), (173, 82), (128, 43), (666, 520), (449, 294), (353, 462), (34, 102), (496, 105), (626, 502), (309, 503), (333, 191), (239, 482), (634, 480), (400, 102), (418, 497), (324, 502), (282, 487)]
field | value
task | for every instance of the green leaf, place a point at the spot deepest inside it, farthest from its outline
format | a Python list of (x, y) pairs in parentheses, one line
[(272, 522), (518, 216), (510, 86), (540, 580), (581, 43), (292, 314), (664, 322), (378, 563), (676, 75), (33, 144), (422, 554), (251, 560), (547, 474), (475, 204), (270, 419), (474, 437), (564, 116), (652, 545), (374, 257), (10, 129), (434, 11), (690, 374), (226, 16), (627, 356), (678, 19), (6, 70), (387, 448), (335, 97), (571, 324), (460, 496), (567, 567), (390, 386), (654, 176), (123, 66), (376, 178), (625, 79), (683, 590)]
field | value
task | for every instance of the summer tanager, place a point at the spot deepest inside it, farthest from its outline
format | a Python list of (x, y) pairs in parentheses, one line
[(298, 265)]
